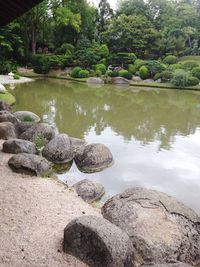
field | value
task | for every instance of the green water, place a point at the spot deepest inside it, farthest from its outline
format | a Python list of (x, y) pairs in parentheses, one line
[(154, 135)]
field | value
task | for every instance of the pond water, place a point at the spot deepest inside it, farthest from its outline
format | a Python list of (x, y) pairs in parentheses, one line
[(154, 135)]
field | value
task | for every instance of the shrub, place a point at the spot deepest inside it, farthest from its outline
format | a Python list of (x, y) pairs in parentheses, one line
[(100, 67), (189, 65), (113, 73), (166, 75), (192, 81), (144, 72), (157, 76), (27, 118), (138, 63), (84, 74), (98, 73), (154, 67), (125, 74), (16, 77), (75, 72), (180, 78), (124, 58), (92, 73), (65, 49), (7, 66), (170, 60), (196, 72), (176, 66), (40, 64), (132, 68)]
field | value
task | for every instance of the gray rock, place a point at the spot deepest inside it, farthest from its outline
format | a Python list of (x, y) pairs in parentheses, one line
[(89, 191), (40, 130), (136, 79), (29, 164), (178, 264), (77, 144), (27, 116), (4, 106), (16, 146), (7, 116), (120, 80), (148, 81), (161, 228), (98, 243), (2, 88), (94, 158), (95, 80), (21, 126), (59, 149), (7, 130)]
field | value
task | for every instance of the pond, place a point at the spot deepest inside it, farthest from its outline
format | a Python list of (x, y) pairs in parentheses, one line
[(154, 135)]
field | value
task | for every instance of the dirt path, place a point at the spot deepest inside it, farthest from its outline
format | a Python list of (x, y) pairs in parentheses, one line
[(33, 214)]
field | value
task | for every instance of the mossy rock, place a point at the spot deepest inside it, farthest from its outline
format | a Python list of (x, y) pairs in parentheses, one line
[(8, 98)]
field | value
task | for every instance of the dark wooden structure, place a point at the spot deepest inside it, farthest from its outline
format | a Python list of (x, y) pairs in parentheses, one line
[(12, 9)]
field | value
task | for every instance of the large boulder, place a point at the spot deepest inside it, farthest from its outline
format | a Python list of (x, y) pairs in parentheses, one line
[(59, 149), (2, 89), (77, 144), (40, 130), (161, 228), (26, 116), (120, 80), (7, 130), (22, 127), (16, 146), (95, 80), (94, 158), (4, 106), (98, 243), (136, 79), (89, 191), (7, 116), (29, 164), (178, 264)]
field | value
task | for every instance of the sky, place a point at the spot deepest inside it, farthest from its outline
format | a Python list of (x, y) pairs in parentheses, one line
[(113, 3)]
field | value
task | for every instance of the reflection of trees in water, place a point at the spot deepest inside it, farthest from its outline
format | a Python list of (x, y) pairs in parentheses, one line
[(144, 115)]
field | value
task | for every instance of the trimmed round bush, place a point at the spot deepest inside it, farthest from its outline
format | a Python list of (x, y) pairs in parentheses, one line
[(75, 72), (157, 76), (196, 72), (101, 67), (176, 66), (180, 78), (192, 81), (125, 74), (98, 73), (166, 75), (190, 64), (84, 74), (170, 60), (138, 63), (113, 73), (132, 68), (144, 72)]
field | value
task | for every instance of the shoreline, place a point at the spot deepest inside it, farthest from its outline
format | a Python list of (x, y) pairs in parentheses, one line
[(6, 80)]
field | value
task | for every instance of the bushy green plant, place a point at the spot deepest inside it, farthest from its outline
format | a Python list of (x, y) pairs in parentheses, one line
[(132, 68), (166, 75), (101, 67), (154, 67), (41, 64), (92, 73), (123, 58), (27, 118), (16, 77), (189, 65), (192, 81), (65, 49), (7, 66), (113, 73), (125, 74), (176, 66), (75, 72), (180, 78), (170, 60), (196, 72), (138, 63), (157, 76), (98, 73), (144, 72), (39, 142), (84, 74)]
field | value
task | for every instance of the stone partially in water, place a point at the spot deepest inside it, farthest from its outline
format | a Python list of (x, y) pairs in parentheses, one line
[(120, 80), (89, 191), (94, 158), (59, 149), (29, 164), (95, 80), (178, 264), (16, 146), (7, 130), (61, 168), (26, 116), (98, 243), (7, 116), (5, 106), (77, 144), (161, 228)]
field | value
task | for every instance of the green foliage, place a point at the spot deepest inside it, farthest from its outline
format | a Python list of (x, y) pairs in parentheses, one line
[(189, 65), (113, 73), (139, 63), (170, 60), (27, 118), (123, 58), (180, 78), (154, 67), (192, 81), (196, 72), (41, 64), (7, 66), (125, 74), (132, 68), (166, 75), (98, 73), (16, 77), (83, 73), (75, 72), (65, 49), (39, 142), (144, 72), (100, 67), (157, 76), (176, 66)]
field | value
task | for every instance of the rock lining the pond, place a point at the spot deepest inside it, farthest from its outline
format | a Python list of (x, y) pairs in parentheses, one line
[(89, 191), (98, 243), (27, 116), (7, 130), (41, 130), (178, 264), (161, 228), (22, 127), (33, 165), (4, 106), (7, 116), (94, 158), (59, 149), (95, 80), (16, 146), (2, 89), (77, 144), (120, 80)]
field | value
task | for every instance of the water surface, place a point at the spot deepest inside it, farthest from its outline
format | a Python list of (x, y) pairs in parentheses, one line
[(154, 135)]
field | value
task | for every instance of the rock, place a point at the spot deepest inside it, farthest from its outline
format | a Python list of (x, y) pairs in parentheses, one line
[(2, 88), (16, 146), (59, 149), (136, 79), (7, 116), (161, 228), (4, 106), (7, 130), (95, 80), (98, 243), (178, 264), (89, 191), (120, 80), (94, 158), (159, 81), (21, 126), (29, 164), (77, 144), (40, 130), (27, 116), (148, 81)]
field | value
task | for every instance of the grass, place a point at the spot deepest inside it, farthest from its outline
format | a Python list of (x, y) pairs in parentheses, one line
[(8, 98)]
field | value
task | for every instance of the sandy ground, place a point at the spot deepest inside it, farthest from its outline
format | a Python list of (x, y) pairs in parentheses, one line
[(5, 79), (33, 215)]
